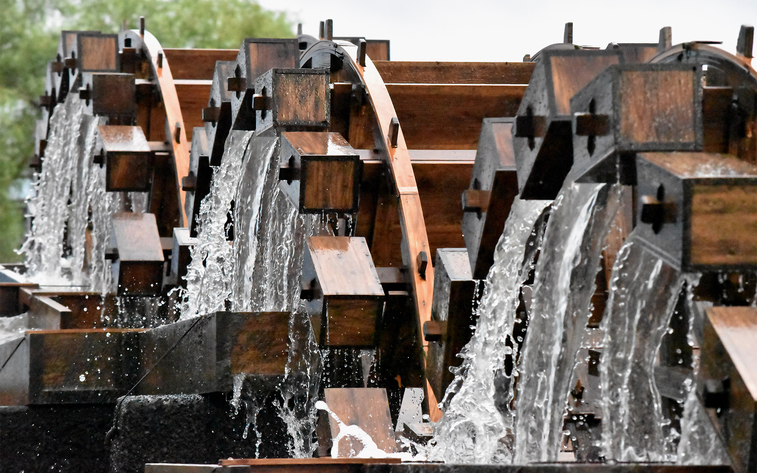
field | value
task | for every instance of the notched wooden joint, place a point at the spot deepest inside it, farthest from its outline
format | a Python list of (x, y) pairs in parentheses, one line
[(434, 330)]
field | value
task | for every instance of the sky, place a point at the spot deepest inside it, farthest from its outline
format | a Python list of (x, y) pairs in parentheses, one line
[(506, 30)]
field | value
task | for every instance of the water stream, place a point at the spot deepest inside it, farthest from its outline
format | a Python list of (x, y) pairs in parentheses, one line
[(210, 274), (564, 282), (643, 294), (477, 427)]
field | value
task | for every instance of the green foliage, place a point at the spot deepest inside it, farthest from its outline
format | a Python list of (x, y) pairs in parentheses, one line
[(182, 23), (29, 32)]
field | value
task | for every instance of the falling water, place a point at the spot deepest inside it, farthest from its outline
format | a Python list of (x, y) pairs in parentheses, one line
[(249, 200), (700, 444), (44, 246), (565, 275), (70, 206), (643, 294), (210, 273), (475, 427)]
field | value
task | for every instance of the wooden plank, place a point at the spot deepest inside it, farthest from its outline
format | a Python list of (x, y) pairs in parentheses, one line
[(737, 329), (197, 64), (193, 97), (435, 116), (305, 461), (435, 72), (344, 266), (368, 408)]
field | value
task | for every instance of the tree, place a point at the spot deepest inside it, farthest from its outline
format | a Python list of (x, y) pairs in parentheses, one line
[(29, 32)]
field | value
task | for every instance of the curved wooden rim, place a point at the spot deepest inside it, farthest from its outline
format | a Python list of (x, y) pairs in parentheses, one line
[(412, 223), (170, 98), (707, 51)]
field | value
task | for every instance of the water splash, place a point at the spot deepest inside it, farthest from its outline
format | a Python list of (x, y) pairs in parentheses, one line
[(70, 207), (564, 282), (300, 387), (477, 427), (643, 294), (210, 273), (700, 444)]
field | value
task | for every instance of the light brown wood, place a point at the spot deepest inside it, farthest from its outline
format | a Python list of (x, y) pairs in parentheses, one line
[(368, 408), (197, 64), (98, 52), (193, 97), (650, 113), (415, 239), (435, 72), (435, 116), (344, 266), (570, 74), (737, 329), (174, 117)]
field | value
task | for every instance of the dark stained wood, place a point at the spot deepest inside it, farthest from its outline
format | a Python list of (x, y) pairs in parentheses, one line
[(707, 218), (454, 306), (87, 309), (110, 94), (317, 463), (437, 116), (716, 110), (199, 177), (544, 158), (181, 256), (649, 107), (203, 355), (140, 254), (324, 172), (96, 52), (368, 408), (196, 64), (662, 109), (494, 176), (635, 53), (387, 465), (45, 313), (127, 157), (68, 366), (255, 343), (418, 72), (220, 99)]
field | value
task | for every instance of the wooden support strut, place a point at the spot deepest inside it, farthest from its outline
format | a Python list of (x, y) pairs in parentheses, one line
[(412, 223), (176, 131)]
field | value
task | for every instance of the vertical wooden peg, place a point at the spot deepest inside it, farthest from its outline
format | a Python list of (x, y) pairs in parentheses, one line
[(330, 30), (394, 132), (362, 46), (666, 38), (142, 26), (746, 41), (567, 36)]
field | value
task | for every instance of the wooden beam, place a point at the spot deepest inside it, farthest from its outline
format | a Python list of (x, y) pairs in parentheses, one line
[(435, 72), (193, 64), (193, 97), (444, 116)]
